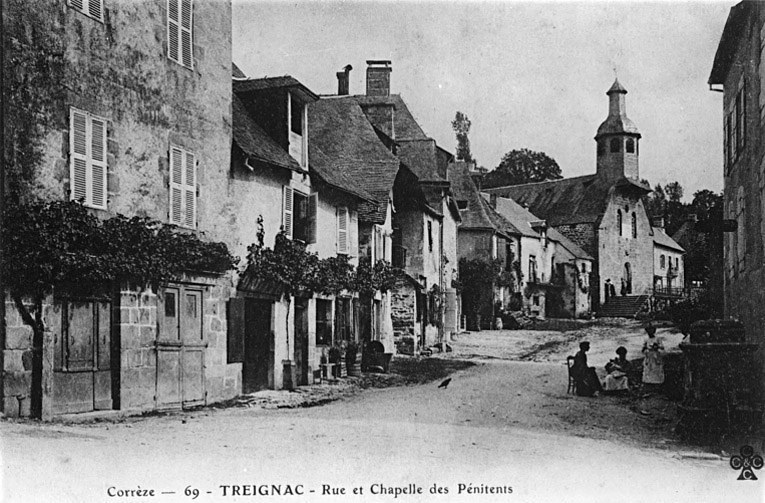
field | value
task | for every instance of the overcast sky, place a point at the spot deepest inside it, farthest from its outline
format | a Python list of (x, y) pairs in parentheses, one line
[(528, 75)]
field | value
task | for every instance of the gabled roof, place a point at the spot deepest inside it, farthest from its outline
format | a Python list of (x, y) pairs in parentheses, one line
[(732, 33), (340, 130), (417, 150), (255, 142), (236, 72), (478, 215), (522, 218), (581, 199), (323, 167), (269, 83), (661, 238)]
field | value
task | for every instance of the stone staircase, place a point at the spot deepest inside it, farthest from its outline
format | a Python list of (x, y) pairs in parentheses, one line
[(623, 306)]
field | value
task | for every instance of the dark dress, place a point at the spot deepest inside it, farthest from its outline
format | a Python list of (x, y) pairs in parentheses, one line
[(587, 382)]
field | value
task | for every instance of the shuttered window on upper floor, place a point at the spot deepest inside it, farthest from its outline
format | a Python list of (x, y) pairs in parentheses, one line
[(91, 8), (87, 158), (343, 231), (183, 188), (179, 32)]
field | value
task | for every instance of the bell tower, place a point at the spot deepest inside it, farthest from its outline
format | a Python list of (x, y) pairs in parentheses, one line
[(617, 139)]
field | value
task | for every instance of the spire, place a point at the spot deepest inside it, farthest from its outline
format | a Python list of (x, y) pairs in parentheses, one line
[(617, 88), (617, 121)]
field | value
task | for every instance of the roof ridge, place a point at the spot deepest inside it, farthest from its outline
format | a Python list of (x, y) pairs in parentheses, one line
[(539, 183)]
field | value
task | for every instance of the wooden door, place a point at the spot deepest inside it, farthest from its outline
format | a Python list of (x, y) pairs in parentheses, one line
[(257, 348), (82, 379), (301, 341)]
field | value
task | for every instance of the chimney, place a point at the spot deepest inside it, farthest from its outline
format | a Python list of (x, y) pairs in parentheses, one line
[(342, 81), (658, 222), (378, 77)]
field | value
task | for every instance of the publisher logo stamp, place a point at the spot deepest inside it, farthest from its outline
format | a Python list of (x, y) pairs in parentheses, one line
[(747, 462)]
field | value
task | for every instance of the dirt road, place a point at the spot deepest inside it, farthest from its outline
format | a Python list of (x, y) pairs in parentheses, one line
[(502, 431)]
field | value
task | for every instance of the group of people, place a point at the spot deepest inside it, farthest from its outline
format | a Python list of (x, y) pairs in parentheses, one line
[(610, 289), (619, 370)]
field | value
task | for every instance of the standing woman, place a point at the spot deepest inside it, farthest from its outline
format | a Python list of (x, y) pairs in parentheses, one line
[(653, 366)]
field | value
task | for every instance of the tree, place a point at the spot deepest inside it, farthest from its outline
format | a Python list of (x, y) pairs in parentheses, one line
[(522, 166), (656, 202), (61, 248), (461, 127)]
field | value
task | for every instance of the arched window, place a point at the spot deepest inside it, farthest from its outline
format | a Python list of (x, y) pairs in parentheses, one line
[(634, 225), (601, 147), (616, 144), (630, 146), (661, 261), (619, 221)]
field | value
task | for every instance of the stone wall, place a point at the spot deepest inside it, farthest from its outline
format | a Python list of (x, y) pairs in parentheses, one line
[(404, 317), (136, 325), (583, 235)]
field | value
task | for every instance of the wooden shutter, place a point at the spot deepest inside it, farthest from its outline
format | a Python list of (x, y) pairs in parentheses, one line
[(98, 163), (235, 333), (187, 53), (342, 230), (95, 8), (173, 30), (176, 186), (190, 190), (287, 211), (353, 238), (78, 149), (78, 4), (313, 206)]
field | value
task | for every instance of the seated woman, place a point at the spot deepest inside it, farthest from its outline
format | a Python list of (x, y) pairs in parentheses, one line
[(618, 370), (587, 382)]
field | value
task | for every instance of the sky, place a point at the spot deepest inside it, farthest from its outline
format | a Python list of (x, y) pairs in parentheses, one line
[(528, 75)]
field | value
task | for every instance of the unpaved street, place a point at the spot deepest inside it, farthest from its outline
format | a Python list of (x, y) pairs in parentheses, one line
[(500, 424)]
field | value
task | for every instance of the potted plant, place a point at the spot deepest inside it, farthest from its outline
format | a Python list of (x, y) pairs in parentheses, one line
[(351, 359)]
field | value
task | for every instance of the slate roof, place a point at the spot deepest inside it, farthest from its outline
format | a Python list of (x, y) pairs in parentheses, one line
[(478, 214), (521, 218), (726, 49), (340, 130), (268, 83), (323, 167), (581, 199), (255, 142), (661, 238), (415, 148), (236, 72)]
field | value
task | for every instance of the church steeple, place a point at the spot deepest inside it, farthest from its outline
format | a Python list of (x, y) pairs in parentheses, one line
[(617, 139)]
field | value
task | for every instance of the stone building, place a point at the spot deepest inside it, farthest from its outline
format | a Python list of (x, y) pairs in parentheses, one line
[(279, 177), (738, 72), (668, 267), (602, 213), (132, 107)]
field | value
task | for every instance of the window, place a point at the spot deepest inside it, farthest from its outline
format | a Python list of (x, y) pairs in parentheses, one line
[(183, 188), (343, 231), (299, 215), (296, 115), (91, 8), (179, 39), (735, 127), (430, 236), (323, 322), (630, 146), (87, 148), (634, 225), (619, 221), (343, 320), (677, 263), (532, 269), (662, 261), (616, 144)]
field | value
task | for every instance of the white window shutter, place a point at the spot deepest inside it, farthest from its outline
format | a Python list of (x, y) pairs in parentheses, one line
[(287, 211), (176, 186), (78, 149), (313, 206), (173, 30), (187, 51), (342, 230), (353, 234), (98, 163), (190, 189), (78, 4), (95, 8)]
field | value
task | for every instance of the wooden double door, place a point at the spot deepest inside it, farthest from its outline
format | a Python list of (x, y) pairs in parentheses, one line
[(181, 348)]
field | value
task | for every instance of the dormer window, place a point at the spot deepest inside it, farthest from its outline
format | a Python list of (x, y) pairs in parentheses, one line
[(616, 145), (630, 146), (298, 134), (296, 117)]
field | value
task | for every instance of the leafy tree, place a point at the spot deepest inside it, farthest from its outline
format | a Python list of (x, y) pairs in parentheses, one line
[(656, 202), (674, 192), (61, 248), (523, 166), (368, 279), (461, 127)]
